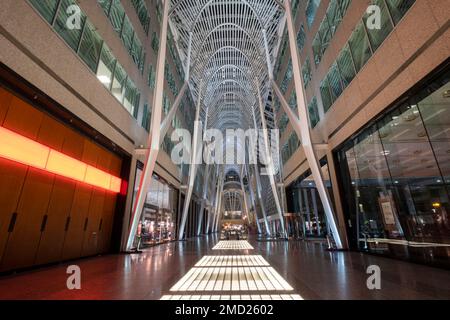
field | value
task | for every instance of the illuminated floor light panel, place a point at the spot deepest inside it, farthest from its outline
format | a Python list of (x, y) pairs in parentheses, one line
[(232, 261), (234, 297), (232, 279), (233, 245)]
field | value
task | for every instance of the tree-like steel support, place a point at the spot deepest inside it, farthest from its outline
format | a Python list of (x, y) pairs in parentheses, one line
[(253, 201), (195, 154), (271, 173), (211, 211), (301, 126), (153, 141)]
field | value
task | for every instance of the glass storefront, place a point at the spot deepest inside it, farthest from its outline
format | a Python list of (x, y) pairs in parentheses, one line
[(306, 217), (395, 178), (158, 218)]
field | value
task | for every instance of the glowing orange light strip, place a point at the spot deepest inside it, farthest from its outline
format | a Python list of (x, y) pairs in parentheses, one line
[(20, 149)]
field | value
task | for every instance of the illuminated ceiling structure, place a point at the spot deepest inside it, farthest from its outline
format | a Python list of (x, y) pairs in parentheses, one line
[(228, 49)]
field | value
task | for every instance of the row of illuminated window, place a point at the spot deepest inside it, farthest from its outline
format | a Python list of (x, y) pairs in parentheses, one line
[(174, 55), (91, 48), (170, 80), (301, 38), (333, 17), (361, 46), (287, 77), (290, 147), (142, 13), (120, 22), (311, 11)]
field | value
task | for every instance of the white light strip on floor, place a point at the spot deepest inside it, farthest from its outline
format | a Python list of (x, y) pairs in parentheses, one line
[(233, 245), (232, 279), (232, 261), (234, 297)]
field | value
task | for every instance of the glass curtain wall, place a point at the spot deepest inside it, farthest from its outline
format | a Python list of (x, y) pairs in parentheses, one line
[(396, 179), (306, 217)]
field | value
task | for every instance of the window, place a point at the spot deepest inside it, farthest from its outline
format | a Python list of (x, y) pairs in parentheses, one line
[(334, 16), (284, 120), (395, 173), (359, 46), (306, 72), (327, 29), (311, 10), (131, 97), (151, 77), (90, 46), (398, 8), (146, 117), (294, 7), (122, 25), (334, 80), (106, 66), (376, 36), (325, 94), (301, 37), (96, 54), (127, 34), (343, 5), (346, 66), (293, 101), (357, 51), (106, 5), (142, 13), (117, 14), (142, 62), (166, 104), (118, 85), (136, 51), (287, 77), (313, 112), (47, 8), (71, 37), (317, 49), (325, 35), (155, 42)]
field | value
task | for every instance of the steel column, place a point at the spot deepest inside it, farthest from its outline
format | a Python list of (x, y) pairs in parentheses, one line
[(271, 173), (153, 141), (193, 166), (305, 136)]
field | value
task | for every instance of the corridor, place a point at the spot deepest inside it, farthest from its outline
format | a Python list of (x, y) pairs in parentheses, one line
[(161, 271)]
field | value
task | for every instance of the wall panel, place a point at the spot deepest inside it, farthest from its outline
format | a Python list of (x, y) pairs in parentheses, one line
[(45, 217)]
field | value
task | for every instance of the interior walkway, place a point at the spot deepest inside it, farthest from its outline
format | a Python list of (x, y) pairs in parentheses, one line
[(313, 273)]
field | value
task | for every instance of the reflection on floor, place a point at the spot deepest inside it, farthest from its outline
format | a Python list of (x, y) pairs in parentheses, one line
[(233, 245), (234, 297), (229, 261), (308, 267), (246, 274)]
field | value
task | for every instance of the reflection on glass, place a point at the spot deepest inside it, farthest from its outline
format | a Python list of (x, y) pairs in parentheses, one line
[(396, 179), (307, 217), (158, 218), (71, 36)]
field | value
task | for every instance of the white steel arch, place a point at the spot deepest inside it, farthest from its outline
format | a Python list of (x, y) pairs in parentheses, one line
[(227, 49)]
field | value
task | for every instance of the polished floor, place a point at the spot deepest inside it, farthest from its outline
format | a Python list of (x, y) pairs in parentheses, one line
[(277, 270)]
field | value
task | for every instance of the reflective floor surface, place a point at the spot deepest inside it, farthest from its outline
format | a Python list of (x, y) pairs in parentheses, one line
[(271, 270)]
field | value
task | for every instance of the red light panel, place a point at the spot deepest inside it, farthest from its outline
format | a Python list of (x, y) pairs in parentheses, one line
[(20, 149)]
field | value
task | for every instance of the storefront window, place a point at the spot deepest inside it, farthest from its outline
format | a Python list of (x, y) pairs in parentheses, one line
[(158, 218), (306, 216), (395, 177)]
